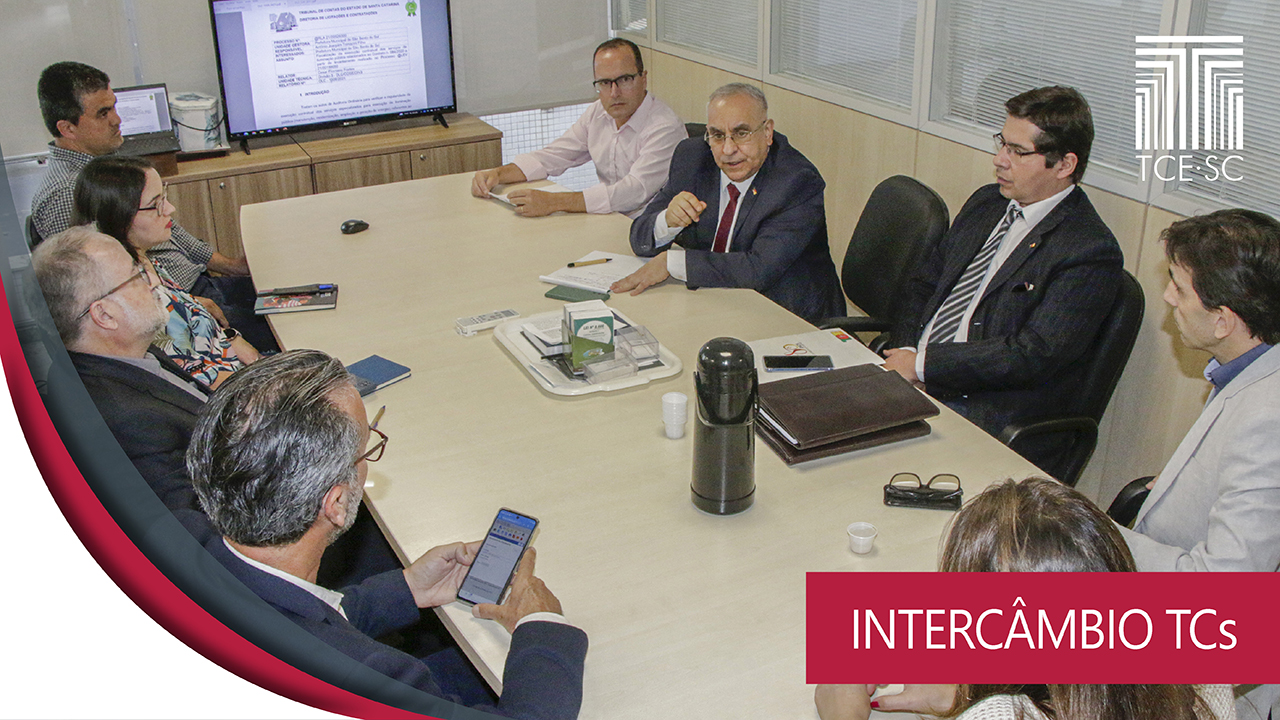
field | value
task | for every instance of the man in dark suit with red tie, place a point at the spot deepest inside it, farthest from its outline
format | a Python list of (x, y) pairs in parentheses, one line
[(741, 208), (1001, 315)]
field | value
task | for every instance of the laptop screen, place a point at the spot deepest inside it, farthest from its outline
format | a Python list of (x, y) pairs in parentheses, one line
[(143, 109)]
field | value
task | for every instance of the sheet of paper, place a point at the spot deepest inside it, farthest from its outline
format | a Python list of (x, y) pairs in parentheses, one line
[(552, 188), (599, 277)]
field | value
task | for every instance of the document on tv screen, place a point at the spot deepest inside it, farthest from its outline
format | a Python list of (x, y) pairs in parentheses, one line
[(319, 62)]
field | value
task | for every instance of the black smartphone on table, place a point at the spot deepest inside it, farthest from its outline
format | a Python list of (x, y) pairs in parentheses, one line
[(775, 363), (500, 553)]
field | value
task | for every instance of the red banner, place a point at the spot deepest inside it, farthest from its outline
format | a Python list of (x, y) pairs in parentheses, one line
[(1043, 627)]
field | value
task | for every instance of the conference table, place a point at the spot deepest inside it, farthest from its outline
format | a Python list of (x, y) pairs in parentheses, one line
[(688, 614)]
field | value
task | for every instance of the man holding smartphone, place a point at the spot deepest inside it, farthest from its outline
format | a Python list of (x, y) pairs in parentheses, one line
[(279, 458)]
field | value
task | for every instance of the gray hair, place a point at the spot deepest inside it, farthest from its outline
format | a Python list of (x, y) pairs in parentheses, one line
[(68, 277), (269, 445), (751, 91)]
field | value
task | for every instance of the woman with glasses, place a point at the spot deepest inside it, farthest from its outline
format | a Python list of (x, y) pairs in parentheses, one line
[(126, 199), (1036, 525)]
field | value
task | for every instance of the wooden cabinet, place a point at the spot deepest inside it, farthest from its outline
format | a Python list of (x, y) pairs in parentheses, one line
[(450, 159), (208, 194), (230, 193), (194, 209), (361, 172), (467, 145)]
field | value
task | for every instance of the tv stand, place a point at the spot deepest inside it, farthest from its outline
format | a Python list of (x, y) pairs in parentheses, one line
[(209, 192), (244, 145), (439, 117)]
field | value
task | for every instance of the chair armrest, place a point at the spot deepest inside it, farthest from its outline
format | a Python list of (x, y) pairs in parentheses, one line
[(1014, 432), (879, 343), (1085, 430), (855, 324), (1124, 509)]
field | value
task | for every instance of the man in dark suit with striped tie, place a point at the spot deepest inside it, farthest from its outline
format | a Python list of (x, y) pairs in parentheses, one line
[(1002, 313)]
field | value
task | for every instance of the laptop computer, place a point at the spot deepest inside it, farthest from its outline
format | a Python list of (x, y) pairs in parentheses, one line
[(144, 120)]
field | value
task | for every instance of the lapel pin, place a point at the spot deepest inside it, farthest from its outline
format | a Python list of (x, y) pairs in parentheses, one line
[(754, 191)]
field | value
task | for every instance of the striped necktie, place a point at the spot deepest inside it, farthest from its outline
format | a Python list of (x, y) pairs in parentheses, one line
[(946, 323)]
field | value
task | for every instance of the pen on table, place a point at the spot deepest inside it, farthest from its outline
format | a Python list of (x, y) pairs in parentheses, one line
[(581, 263), (378, 416)]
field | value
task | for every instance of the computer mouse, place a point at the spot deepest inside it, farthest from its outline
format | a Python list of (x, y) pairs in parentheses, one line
[(351, 227)]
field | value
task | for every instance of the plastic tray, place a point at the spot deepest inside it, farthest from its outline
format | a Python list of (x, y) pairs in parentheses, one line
[(549, 378)]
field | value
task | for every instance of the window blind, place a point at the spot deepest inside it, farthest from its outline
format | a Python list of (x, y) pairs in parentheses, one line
[(727, 29), (864, 46), (629, 16), (1259, 158), (987, 51)]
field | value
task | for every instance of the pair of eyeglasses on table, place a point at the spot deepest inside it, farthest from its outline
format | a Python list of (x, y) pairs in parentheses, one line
[(940, 492)]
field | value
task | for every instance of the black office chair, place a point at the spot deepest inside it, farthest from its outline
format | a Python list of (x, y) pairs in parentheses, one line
[(1124, 508), (1078, 423), (33, 235), (902, 218), (696, 130)]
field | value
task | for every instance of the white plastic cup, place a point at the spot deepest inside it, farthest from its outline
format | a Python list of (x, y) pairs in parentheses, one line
[(675, 410), (862, 536)]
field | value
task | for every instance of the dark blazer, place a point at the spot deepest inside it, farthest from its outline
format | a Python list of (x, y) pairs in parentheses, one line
[(1037, 320), (543, 674), (779, 244), (150, 418)]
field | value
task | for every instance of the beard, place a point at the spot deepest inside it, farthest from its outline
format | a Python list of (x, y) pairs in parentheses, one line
[(151, 318)]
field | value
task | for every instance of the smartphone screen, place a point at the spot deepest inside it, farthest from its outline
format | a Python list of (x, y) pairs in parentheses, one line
[(499, 555), (774, 363)]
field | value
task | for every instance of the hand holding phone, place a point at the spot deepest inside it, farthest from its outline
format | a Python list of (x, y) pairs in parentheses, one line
[(528, 595), (499, 554)]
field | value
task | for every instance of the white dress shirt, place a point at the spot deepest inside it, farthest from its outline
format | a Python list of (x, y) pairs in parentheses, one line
[(663, 235), (1018, 231), (631, 161)]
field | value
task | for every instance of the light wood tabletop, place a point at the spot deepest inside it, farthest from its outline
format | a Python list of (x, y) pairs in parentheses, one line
[(689, 615)]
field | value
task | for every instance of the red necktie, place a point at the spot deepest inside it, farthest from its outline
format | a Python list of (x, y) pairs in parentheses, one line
[(722, 232)]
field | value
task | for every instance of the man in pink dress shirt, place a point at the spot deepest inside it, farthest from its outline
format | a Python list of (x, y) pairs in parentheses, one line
[(629, 135)]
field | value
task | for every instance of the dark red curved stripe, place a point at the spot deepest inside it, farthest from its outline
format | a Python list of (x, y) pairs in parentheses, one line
[(145, 585)]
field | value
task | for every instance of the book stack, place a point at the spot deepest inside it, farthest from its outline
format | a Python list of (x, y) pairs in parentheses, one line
[(829, 413)]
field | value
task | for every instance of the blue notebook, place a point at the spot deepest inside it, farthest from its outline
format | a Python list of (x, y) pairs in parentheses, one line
[(376, 372)]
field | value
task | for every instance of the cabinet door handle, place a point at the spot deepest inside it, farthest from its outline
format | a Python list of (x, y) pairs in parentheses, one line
[(422, 156), (222, 186)]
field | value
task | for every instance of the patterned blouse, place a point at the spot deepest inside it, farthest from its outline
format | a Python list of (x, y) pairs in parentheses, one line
[(192, 337)]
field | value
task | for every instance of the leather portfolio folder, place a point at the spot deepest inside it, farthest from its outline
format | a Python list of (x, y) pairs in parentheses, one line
[(838, 411)]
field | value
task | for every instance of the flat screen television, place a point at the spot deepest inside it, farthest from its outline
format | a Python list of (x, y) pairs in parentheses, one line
[(290, 65)]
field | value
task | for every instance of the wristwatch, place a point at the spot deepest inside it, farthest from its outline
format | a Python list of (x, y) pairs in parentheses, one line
[(231, 333)]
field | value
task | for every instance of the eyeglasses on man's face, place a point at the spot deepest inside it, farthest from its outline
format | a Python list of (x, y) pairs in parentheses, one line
[(1014, 150), (159, 204), (624, 82), (739, 136), (374, 454), (141, 273)]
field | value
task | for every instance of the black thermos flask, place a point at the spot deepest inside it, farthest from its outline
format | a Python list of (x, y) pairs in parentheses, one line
[(724, 449)]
